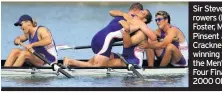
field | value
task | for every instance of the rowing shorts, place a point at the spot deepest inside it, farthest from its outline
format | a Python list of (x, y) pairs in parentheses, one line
[(182, 61), (135, 59), (102, 44)]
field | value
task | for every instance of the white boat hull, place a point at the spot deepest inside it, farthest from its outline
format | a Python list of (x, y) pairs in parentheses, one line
[(79, 72)]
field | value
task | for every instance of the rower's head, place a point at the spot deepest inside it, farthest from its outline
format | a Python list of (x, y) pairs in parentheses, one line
[(162, 19), (26, 23), (145, 15), (135, 8)]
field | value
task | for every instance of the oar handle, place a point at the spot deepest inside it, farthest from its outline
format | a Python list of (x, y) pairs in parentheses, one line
[(31, 49), (55, 66), (37, 54)]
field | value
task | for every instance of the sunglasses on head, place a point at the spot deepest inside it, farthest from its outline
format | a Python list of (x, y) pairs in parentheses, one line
[(159, 19)]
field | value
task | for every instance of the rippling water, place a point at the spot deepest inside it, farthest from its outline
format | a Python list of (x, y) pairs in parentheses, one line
[(177, 80)]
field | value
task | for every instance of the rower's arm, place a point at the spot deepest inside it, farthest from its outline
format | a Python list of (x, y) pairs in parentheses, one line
[(45, 36), (125, 25), (148, 31), (126, 34), (131, 40), (138, 37), (115, 13), (21, 38), (167, 40), (158, 33)]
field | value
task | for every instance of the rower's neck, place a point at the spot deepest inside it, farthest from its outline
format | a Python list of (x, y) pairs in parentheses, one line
[(33, 30), (167, 27)]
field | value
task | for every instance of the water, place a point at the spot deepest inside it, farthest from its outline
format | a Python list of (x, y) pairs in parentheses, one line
[(75, 24), (177, 80)]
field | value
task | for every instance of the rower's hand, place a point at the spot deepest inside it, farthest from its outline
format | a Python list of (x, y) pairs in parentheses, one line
[(176, 39), (29, 46), (143, 45), (131, 22), (17, 41), (125, 25), (135, 21), (127, 29), (127, 17)]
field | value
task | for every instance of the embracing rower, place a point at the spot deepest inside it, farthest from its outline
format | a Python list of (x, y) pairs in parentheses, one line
[(40, 39), (132, 53), (103, 40)]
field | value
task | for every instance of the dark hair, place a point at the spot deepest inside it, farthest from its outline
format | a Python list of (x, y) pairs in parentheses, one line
[(136, 6), (148, 17), (164, 14)]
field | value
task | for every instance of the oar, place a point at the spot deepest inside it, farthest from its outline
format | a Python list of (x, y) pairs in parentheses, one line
[(55, 66), (65, 47), (131, 67)]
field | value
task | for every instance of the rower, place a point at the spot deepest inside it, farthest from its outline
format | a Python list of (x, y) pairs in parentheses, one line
[(131, 51), (170, 52), (40, 39), (103, 40)]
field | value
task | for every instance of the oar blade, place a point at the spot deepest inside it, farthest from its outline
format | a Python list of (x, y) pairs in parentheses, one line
[(63, 47)]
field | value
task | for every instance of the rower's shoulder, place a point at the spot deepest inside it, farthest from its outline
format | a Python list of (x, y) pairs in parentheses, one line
[(174, 29), (42, 29)]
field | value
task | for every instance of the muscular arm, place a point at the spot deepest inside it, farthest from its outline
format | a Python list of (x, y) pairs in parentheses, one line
[(115, 13), (45, 37), (127, 17), (126, 34), (135, 39), (138, 37), (167, 40), (23, 37), (158, 33), (148, 31)]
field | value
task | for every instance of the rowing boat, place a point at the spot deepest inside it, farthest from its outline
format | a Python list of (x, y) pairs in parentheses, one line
[(78, 71), (91, 71)]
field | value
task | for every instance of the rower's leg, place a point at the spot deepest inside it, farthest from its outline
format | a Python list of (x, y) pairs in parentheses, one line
[(26, 55), (66, 61), (116, 63), (150, 57), (172, 52), (12, 57), (150, 54), (100, 60), (72, 62)]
